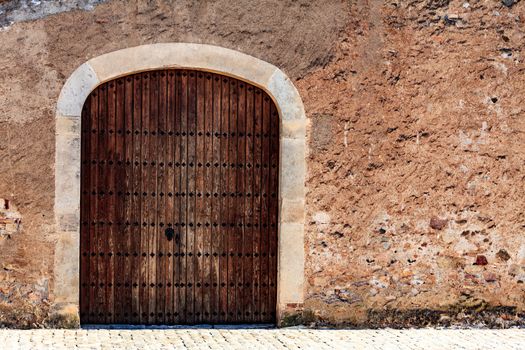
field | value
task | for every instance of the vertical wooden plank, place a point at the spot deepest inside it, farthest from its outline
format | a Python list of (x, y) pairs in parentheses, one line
[(136, 218), (93, 228), (126, 126), (162, 242), (257, 204), (85, 215), (248, 210), (199, 177), (208, 198), (216, 179), (170, 185), (111, 202), (122, 235), (183, 244), (240, 203), (177, 189), (223, 195), (119, 235), (102, 231), (274, 207), (264, 168), (191, 196), (151, 209), (95, 210), (233, 230), (183, 196), (146, 202)]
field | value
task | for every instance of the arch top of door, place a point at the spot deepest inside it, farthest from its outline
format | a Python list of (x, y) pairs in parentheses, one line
[(211, 58), (292, 169)]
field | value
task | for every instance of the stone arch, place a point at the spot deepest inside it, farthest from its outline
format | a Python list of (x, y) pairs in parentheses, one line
[(192, 56)]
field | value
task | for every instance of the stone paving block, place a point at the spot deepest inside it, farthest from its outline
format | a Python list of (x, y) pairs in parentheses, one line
[(260, 338)]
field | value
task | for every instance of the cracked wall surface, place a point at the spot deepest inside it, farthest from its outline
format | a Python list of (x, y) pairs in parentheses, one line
[(415, 150)]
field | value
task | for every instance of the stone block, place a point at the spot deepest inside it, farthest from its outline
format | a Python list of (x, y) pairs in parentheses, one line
[(286, 96), (291, 263), (67, 173), (183, 55), (67, 125), (68, 222), (292, 211), (294, 129), (64, 315), (293, 169), (76, 90), (67, 268), (68, 149)]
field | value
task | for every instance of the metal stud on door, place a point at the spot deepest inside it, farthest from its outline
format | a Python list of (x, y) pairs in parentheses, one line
[(179, 201)]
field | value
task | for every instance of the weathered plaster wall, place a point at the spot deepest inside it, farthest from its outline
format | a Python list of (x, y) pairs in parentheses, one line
[(415, 165)]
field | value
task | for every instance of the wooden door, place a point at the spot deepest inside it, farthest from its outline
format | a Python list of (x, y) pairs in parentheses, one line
[(179, 201)]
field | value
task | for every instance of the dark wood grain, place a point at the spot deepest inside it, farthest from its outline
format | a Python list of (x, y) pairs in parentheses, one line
[(94, 207), (191, 151), (215, 203), (273, 193), (111, 228), (85, 209), (125, 180), (241, 243), (136, 191), (233, 230), (249, 241), (162, 243), (101, 214), (208, 259), (183, 145), (170, 196), (177, 160), (191, 138), (223, 223), (200, 203), (263, 225), (257, 185)]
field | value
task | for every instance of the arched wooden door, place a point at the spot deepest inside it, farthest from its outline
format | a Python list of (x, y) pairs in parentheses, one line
[(179, 201)]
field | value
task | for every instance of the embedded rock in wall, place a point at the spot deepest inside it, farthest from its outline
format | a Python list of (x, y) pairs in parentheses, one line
[(22, 304), (12, 11), (10, 219)]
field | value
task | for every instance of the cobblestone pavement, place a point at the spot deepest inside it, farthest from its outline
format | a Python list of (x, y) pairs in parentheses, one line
[(257, 338)]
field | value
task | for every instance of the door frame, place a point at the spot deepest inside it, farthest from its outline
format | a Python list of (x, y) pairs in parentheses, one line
[(292, 168)]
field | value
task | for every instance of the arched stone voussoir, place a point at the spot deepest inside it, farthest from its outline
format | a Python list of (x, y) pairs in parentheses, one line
[(180, 55), (76, 90)]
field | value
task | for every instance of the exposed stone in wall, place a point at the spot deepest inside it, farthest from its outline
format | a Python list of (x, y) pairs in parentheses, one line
[(22, 303), (12, 11), (10, 219)]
